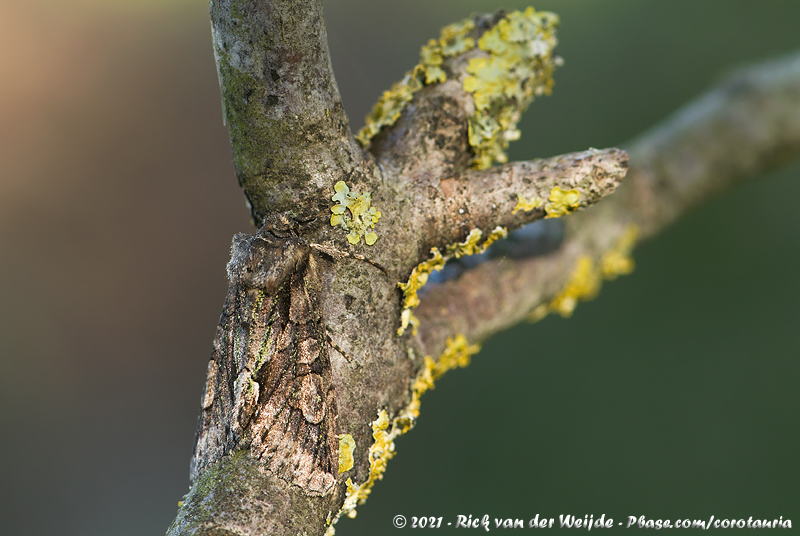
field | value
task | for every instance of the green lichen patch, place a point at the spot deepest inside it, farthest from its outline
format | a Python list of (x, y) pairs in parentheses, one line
[(452, 41), (354, 214), (419, 275), (519, 66)]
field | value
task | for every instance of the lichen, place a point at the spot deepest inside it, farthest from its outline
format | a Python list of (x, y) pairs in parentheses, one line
[(457, 353), (353, 213), (617, 260), (519, 66), (525, 205), (583, 284), (472, 245), (561, 202), (419, 275), (388, 108), (347, 445), (380, 452), (452, 41), (587, 277), (417, 279), (516, 64)]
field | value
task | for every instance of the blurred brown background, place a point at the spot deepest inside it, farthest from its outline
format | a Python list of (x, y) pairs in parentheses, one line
[(674, 394)]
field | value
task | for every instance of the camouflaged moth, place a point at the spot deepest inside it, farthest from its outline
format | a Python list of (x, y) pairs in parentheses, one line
[(269, 385)]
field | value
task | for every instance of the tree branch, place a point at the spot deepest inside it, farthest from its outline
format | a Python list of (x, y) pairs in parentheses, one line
[(748, 124), (430, 142), (287, 125)]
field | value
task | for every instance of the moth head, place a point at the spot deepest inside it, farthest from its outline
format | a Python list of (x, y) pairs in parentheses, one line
[(263, 263)]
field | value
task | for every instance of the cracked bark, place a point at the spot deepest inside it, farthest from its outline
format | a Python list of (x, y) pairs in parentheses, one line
[(291, 142)]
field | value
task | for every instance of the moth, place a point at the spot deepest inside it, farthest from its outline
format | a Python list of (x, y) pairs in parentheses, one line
[(269, 385)]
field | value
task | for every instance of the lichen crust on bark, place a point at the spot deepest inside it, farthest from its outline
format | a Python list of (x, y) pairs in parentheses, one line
[(501, 61), (457, 354), (588, 275), (472, 245)]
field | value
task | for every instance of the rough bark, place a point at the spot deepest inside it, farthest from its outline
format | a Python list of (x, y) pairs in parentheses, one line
[(279, 94), (748, 124), (292, 144)]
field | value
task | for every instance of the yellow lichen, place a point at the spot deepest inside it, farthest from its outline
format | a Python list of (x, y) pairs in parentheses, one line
[(587, 277), (472, 245), (419, 275), (388, 108), (353, 213), (519, 66), (525, 205), (561, 202), (497, 233), (617, 260), (452, 41), (347, 445), (584, 283), (467, 247), (380, 452), (417, 279), (431, 58), (457, 354)]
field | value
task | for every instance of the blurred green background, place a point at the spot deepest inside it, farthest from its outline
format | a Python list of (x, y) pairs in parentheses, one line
[(674, 394)]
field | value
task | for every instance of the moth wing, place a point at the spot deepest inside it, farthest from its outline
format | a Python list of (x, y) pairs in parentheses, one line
[(269, 385), (294, 429)]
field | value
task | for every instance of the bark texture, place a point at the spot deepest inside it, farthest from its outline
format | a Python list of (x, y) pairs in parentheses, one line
[(292, 145), (748, 124)]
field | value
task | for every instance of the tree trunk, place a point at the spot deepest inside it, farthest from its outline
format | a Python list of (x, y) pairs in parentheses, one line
[(324, 345)]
